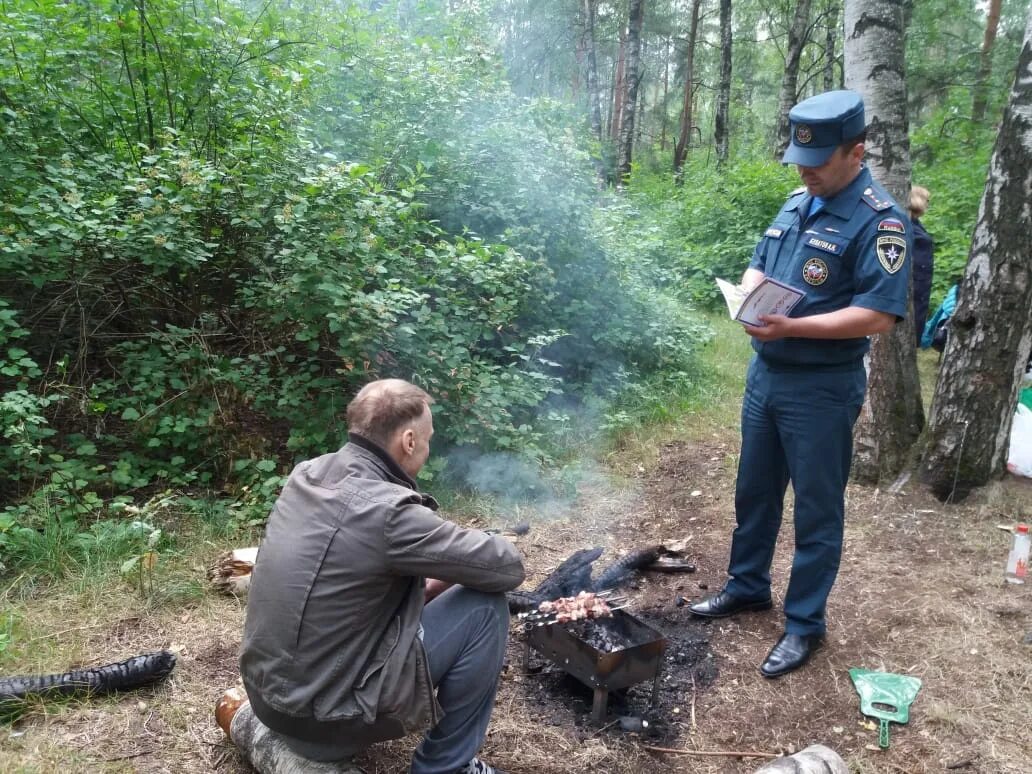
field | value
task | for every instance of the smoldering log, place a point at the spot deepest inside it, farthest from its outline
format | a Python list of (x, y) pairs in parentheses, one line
[(622, 569), (575, 575), (127, 675)]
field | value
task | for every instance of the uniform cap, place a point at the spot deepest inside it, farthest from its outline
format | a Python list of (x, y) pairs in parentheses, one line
[(822, 123)]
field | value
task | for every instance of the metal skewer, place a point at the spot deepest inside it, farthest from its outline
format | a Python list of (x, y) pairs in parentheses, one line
[(539, 614)]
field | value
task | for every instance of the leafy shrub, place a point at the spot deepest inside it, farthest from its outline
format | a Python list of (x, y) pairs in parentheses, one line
[(705, 228), (951, 157), (210, 266)]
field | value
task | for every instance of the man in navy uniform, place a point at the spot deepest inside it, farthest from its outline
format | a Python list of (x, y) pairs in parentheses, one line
[(843, 240)]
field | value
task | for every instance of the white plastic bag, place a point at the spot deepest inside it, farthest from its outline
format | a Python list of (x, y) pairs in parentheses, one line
[(1019, 461)]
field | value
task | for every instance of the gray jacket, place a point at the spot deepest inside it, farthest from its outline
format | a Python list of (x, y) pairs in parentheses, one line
[(331, 644)]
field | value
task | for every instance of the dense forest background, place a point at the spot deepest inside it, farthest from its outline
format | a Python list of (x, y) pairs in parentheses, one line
[(218, 219)]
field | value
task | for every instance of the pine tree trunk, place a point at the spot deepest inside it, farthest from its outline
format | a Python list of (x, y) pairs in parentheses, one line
[(829, 49), (618, 88), (632, 78), (666, 95), (685, 134), (892, 416), (985, 62), (790, 79), (721, 127), (639, 113), (594, 98), (991, 329)]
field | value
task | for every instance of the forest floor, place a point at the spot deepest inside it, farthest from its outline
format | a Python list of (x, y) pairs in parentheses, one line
[(920, 592)]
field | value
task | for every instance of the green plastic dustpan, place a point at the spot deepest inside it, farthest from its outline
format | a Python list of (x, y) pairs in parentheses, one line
[(885, 696)]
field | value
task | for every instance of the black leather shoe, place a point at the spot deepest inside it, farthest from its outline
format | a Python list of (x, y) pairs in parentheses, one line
[(723, 604), (791, 652)]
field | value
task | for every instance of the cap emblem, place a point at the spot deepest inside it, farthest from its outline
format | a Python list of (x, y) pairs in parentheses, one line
[(803, 134)]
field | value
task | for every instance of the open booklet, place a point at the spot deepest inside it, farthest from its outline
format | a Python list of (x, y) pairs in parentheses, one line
[(769, 297)]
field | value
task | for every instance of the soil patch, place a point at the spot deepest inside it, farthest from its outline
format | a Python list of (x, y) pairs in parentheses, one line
[(920, 592)]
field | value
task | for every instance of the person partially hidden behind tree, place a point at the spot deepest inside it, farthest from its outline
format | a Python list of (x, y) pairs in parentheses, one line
[(844, 241), (924, 259), (345, 641)]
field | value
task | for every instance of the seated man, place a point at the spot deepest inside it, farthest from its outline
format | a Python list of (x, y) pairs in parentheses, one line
[(340, 650)]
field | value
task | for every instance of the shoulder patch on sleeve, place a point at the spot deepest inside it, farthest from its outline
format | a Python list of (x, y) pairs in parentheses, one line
[(875, 201), (892, 252)]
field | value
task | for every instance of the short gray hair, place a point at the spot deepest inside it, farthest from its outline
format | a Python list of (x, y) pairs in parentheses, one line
[(384, 406)]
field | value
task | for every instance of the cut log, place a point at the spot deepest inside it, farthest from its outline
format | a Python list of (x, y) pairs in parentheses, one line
[(574, 576), (815, 759), (262, 747), (230, 573)]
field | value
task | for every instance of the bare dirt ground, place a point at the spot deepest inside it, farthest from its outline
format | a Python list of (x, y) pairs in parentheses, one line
[(920, 592)]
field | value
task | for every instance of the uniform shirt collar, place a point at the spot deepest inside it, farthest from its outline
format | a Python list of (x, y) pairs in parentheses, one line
[(841, 204)]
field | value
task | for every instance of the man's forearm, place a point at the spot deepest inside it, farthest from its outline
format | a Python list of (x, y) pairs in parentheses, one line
[(853, 322)]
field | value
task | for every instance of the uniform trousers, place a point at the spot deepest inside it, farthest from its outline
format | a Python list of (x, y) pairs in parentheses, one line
[(797, 425)]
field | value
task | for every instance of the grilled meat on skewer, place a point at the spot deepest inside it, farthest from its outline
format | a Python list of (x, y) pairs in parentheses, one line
[(586, 605)]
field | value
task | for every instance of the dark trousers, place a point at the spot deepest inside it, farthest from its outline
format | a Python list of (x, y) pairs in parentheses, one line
[(797, 425), (464, 633)]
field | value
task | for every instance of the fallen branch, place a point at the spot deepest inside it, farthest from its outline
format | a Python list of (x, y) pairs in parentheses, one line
[(712, 753), (125, 675)]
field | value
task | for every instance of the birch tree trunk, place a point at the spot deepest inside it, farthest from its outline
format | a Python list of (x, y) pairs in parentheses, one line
[(892, 416), (594, 98), (685, 134), (790, 79), (991, 329), (985, 62), (632, 77), (721, 128)]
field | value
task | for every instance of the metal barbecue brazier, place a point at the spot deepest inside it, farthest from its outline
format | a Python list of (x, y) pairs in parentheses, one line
[(605, 654)]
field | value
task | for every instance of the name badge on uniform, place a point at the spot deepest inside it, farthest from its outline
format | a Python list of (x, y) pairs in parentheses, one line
[(824, 244), (776, 233), (892, 250), (892, 224)]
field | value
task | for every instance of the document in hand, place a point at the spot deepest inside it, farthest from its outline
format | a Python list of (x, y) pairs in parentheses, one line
[(769, 297)]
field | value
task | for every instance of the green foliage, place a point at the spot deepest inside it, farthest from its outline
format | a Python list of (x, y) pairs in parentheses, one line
[(46, 535), (217, 228), (951, 156), (706, 228)]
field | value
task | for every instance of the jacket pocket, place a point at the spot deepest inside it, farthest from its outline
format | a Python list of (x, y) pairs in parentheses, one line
[(773, 241), (317, 571), (366, 696), (383, 652)]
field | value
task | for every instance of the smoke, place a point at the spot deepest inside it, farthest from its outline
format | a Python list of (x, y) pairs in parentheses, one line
[(524, 490)]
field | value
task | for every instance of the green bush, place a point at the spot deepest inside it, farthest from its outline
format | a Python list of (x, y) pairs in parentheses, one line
[(705, 228), (212, 264), (951, 156)]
